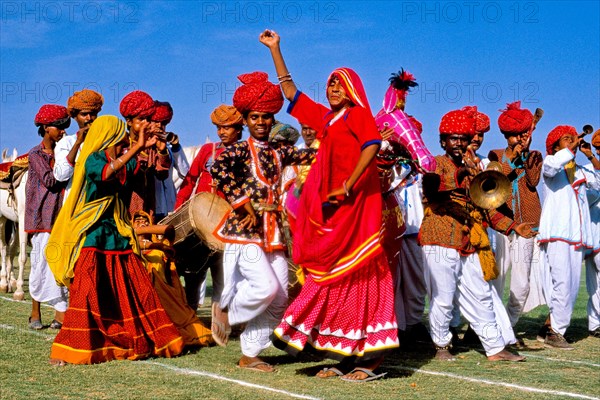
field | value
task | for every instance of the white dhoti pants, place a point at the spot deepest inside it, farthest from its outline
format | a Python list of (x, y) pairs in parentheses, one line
[(255, 291), (515, 253), (452, 278), (410, 283), (592, 282), (561, 272), (42, 284)]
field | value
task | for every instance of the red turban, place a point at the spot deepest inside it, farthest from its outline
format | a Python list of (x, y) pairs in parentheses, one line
[(555, 135), (416, 123), (51, 114), (225, 115), (459, 122), (137, 104), (482, 121), (514, 119), (257, 94), (163, 112), (84, 100)]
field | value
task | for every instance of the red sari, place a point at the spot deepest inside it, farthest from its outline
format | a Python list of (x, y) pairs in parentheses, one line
[(346, 306)]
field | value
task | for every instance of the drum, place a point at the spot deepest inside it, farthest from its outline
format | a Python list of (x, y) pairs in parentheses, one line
[(196, 247), (199, 216)]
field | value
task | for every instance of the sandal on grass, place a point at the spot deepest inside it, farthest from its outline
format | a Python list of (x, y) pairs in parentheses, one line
[(260, 366), (371, 376), (326, 373), (55, 324), (35, 324)]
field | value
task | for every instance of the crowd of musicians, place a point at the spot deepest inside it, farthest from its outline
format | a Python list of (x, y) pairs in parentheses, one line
[(370, 230)]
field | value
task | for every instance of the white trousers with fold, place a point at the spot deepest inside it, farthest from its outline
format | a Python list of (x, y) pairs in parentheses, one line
[(517, 254), (592, 281), (561, 272), (255, 291), (42, 284), (454, 279)]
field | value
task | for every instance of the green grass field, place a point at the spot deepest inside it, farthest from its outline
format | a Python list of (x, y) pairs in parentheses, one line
[(211, 373)]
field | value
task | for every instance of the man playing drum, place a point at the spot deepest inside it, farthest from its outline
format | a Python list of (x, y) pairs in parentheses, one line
[(255, 268)]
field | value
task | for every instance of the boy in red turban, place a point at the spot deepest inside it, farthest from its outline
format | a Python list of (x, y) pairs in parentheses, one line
[(154, 162), (458, 259), (566, 231), (44, 196), (255, 268), (523, 168)]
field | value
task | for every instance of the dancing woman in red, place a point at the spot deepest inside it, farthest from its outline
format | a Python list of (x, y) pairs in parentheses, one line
[(114, 312), (345, 310)]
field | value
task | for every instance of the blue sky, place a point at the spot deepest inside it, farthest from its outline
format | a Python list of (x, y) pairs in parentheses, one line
[(484, 53)]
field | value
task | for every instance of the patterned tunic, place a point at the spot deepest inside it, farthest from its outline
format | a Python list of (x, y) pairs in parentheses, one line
[(250, 171), (448, 219), (44, 193), (524, 174)]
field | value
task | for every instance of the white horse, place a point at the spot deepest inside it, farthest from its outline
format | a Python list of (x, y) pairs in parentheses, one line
[(13, 208)]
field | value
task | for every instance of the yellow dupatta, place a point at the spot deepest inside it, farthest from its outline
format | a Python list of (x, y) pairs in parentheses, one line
[(76, 216)]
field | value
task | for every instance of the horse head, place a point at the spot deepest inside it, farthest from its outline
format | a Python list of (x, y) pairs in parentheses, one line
[(406, 134)]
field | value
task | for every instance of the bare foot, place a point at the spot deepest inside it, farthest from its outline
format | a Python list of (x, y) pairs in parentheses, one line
[(255, 364), (444, 355), (506, 355)]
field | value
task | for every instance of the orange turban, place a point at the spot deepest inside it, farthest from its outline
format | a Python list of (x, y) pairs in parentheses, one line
[(225, 115), (555, 135), (596, 139), (163, 112), (515, 119), (85, 99), (52, 114), (459, 122), (137, 104), (257, 94)]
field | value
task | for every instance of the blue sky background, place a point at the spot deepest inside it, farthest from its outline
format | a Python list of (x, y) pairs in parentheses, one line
[(484, 53)]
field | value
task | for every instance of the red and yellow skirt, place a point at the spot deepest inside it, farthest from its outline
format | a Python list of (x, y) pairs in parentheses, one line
[(114, 313)]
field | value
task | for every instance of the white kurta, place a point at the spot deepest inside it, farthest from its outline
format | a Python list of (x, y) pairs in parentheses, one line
[(565, 234), (63, 170), (592, 261)]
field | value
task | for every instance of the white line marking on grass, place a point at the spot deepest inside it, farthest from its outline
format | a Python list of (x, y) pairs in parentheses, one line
[(186, 371), (496, 383), (32, 332), (590, 364), (23, 301)]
